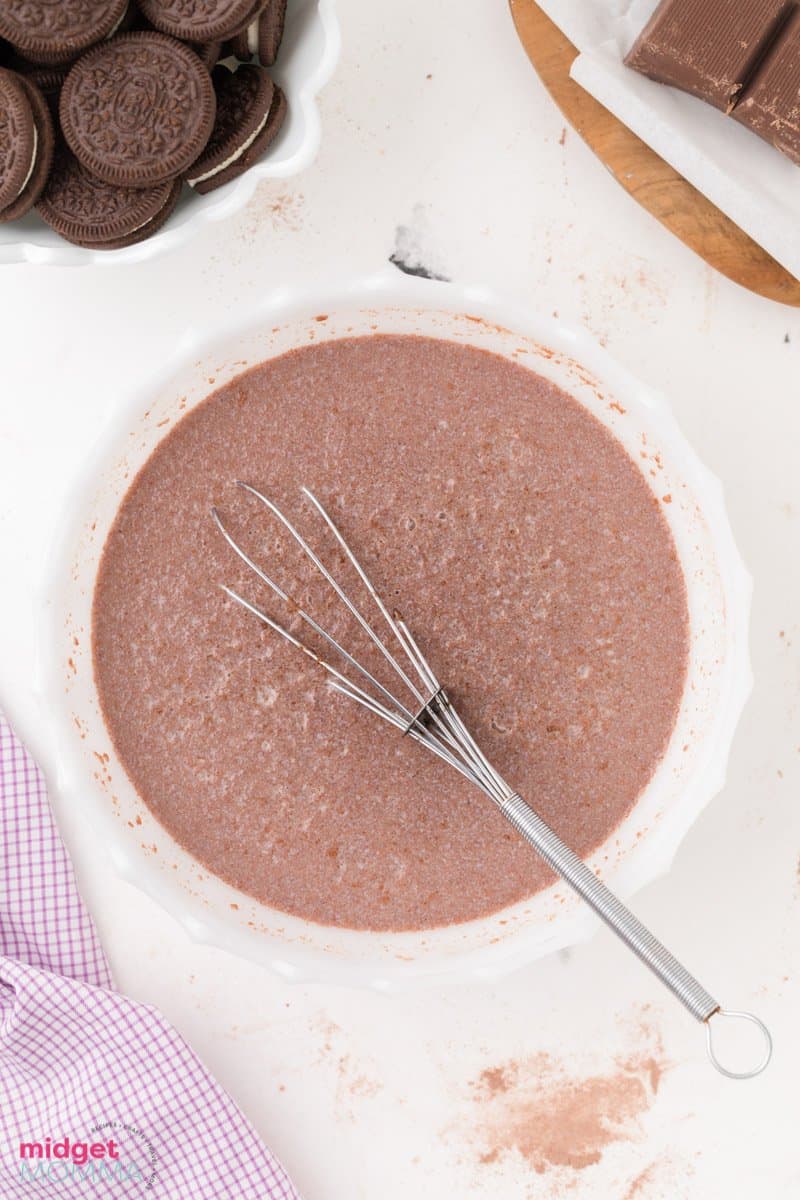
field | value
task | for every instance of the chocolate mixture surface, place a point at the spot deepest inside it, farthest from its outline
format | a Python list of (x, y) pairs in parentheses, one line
[(525, 550)]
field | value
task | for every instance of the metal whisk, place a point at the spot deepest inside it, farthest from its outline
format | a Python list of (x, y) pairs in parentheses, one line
[(429, 718)]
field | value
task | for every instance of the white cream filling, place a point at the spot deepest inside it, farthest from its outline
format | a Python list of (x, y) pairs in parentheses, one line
[(33, 164), (119, 22), (252, 37), (136, 228), (237, 154)]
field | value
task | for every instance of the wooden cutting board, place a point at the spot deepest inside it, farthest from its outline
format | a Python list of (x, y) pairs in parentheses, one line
[(653, 183)]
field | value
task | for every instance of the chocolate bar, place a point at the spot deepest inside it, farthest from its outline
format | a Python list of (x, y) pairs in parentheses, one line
[(709, 48), (770, 104)]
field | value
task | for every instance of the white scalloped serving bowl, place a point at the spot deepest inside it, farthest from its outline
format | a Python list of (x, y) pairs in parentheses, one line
[(308, 57), (88, 776)]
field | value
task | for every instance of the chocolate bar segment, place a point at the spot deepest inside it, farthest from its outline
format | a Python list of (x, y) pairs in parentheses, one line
[(709, 48), (770, 105)]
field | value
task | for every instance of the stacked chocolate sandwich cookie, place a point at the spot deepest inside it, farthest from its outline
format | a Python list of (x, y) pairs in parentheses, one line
[(26, 145), (262, 35), (107, 109), (58, 33), (250, 111)]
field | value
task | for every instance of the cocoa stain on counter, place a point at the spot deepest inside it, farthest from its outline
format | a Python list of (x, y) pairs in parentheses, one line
[(355, 1080), (639, 1187), (553, 1119), (668, 1177)]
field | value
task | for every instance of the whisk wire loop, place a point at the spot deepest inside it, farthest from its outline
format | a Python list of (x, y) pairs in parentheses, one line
[(431, 720)]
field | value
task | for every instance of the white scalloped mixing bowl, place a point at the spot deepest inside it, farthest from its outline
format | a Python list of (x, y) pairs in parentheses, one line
[(308, 56), (82, 760)]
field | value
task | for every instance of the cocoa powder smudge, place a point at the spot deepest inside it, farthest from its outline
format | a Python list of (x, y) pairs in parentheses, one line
[(533, 1107)]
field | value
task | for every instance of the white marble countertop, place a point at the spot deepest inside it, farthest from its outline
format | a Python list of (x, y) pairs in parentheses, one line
[(440, 145)]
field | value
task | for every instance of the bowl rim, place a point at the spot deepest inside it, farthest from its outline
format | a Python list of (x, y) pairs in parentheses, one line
[(389, 290), (216, 205)]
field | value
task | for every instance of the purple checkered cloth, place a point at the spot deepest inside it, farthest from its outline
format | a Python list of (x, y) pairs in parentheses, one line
[(98, 1094)]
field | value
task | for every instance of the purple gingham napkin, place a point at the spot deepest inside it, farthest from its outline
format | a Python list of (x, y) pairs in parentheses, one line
[(98, 1094)]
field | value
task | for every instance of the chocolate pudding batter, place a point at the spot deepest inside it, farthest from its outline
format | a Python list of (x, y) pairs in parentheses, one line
[(525, 550)]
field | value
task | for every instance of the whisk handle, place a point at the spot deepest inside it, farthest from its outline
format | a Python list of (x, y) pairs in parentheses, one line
[(634, 934), (627, 927)]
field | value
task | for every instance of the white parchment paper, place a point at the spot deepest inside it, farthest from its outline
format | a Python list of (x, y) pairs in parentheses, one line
[(755, 185)]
